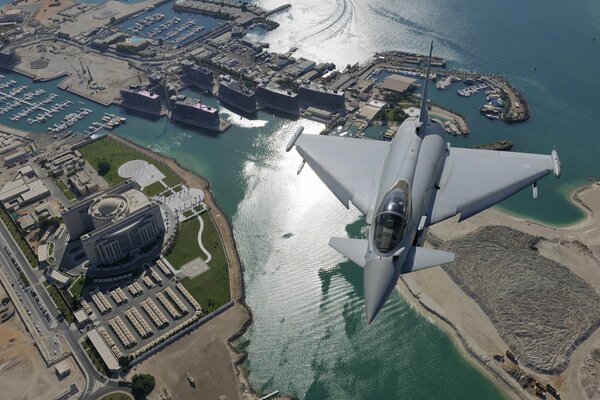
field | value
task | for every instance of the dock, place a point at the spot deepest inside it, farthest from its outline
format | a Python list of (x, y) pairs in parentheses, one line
[(35, 106), (276, 10)]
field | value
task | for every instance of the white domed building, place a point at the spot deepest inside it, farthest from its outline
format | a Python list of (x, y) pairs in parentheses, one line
[(117, 225)]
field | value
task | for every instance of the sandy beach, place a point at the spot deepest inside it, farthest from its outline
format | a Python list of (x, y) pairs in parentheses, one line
[(439, 298)]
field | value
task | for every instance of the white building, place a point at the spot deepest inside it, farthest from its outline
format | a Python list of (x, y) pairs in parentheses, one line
[(14, 15), (116, 225), (21, 192), (62, 369)]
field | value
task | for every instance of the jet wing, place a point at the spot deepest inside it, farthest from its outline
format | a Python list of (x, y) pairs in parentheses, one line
[(350, 167), (473, 180)]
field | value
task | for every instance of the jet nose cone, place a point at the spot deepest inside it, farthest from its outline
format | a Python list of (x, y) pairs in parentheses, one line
[(379, 279)]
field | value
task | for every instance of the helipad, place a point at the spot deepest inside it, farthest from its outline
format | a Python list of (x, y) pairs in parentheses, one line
[(141, 171)]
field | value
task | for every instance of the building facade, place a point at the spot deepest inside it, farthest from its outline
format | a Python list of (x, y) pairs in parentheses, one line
[(117, 225), (195, 113), (277, 99), (233, 94), (199, 76), (141, 100), (329, 100)]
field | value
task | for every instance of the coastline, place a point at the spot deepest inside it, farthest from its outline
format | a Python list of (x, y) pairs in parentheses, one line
[(438, 298), (241, 309)]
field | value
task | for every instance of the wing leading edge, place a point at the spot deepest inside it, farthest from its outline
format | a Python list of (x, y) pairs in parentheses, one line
[(473, 180), (350, 167)]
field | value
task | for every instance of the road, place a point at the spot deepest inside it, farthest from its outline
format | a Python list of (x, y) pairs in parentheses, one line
[(93, 377)]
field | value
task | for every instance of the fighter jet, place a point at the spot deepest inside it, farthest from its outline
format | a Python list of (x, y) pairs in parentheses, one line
[(409, 184)]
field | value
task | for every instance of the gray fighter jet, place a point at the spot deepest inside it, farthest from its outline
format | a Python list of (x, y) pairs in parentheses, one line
[(408, 184)]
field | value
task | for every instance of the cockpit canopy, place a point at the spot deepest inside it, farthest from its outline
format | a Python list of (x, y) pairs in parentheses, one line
[(390, 222)]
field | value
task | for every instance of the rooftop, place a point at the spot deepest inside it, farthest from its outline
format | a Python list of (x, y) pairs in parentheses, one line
[(116, 206), (148, 94), (107, 356), (197, 104), (24, 191), (397, 83)]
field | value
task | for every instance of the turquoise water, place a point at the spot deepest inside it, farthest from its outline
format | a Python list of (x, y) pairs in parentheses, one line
[(309, 336)]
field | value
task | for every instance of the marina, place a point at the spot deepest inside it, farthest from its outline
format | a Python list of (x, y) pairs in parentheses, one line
[(471, 90), (109, 122), (69, 120), (175, 28), (146, 22), (35, 104), (25, 100)]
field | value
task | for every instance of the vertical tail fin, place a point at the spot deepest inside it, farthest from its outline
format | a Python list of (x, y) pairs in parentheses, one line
[(424, 114)]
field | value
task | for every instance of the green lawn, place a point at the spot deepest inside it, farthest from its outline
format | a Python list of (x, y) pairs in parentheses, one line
[(211, 289), (12, 228), (24, 279), (186, 248), (116, 153), (63, 188), (60, 302), (78, 285), (154, 189)]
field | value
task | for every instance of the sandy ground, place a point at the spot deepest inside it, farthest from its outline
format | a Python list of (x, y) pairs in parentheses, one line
[(108, 72), (46, 13), (434, 293), (20, 363), (211, 359), (207, 356), (100, 15)]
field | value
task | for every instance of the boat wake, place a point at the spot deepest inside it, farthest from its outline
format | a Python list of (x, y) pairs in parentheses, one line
[(238, 120), (440, 38), (335, 24)]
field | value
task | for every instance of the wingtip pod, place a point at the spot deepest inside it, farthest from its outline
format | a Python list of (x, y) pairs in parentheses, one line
[(294, 138), (555, 163)]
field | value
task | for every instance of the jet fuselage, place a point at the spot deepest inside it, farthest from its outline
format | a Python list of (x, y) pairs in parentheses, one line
[(395, 228)]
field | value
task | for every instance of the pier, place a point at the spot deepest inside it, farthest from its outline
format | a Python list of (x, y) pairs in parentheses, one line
[(35, 106), (276, 10)]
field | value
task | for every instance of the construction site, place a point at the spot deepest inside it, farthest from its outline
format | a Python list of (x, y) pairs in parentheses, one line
[(87, 74), (21, 361)]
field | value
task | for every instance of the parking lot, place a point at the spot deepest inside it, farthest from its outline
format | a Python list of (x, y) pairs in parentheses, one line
[(130, 313)]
